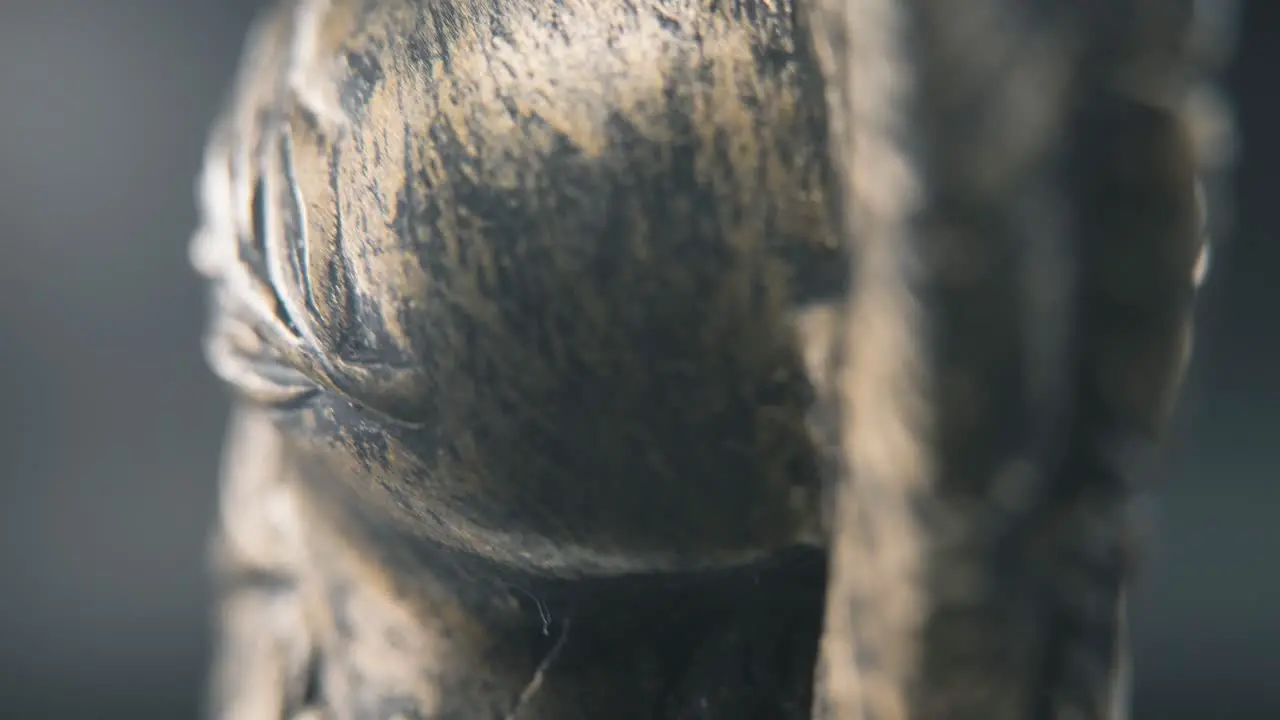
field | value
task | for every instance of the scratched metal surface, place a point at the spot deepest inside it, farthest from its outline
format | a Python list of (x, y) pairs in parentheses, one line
[(546, 292), (370, 297), (78, 619)]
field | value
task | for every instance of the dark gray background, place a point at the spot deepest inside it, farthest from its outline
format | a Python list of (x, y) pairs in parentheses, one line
[(111, 425)]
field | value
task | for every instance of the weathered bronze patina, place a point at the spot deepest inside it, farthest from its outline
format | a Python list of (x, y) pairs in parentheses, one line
[(692, 359)]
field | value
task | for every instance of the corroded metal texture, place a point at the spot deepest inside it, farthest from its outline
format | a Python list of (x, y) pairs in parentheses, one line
[(693, 359)]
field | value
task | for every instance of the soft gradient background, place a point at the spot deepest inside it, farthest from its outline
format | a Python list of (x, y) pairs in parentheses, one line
[(111, 425)]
